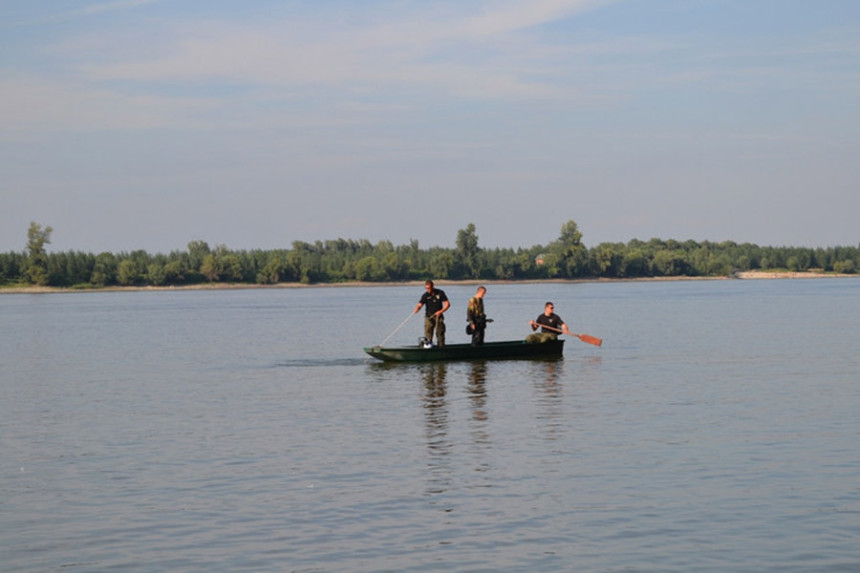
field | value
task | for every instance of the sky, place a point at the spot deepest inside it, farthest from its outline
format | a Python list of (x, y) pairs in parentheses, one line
[(147, 124)]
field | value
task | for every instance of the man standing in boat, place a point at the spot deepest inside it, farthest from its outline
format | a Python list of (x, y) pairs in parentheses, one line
[(476, 317), (435, 303), (551, 324)]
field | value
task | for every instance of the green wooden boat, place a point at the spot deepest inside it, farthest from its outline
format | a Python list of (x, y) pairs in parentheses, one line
[(505, 350)]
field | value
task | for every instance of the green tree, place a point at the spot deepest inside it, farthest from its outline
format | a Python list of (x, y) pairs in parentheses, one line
[(669, 262), (105, 270), (11, 266), (156, 274), (57, 267), (467, 251), (197, 251), (441, 263), (635, 262), (571, 256), (793, 263), (608, 260), (550, 264), (367, 269), (570, 234), (273, 271), (209, 268), (127, 273), (174, 273), (394, 267), (231, 267), (37, 257)]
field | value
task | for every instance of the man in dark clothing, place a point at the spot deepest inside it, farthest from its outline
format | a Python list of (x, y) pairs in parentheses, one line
[(551, 324), (476, 317), (435, 303)]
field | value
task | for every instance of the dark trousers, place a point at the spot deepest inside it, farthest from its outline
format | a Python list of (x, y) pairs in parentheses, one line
[(437, 324), (478, 333)]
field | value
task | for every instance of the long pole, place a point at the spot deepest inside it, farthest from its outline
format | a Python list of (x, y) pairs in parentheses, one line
[(396, 329)]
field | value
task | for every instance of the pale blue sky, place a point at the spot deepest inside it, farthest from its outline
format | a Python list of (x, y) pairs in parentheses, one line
[(145, 124)]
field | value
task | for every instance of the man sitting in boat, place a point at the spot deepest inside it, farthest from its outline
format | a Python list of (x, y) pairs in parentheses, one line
[(435, 303), (551, 325)]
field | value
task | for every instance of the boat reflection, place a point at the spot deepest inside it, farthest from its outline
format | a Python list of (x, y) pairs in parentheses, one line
[(457, 414), (549, 399), (549, 376), (478, 401), (436, 420)]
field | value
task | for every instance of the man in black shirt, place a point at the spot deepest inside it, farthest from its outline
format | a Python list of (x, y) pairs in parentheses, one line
[(551, 324), (435, 303)]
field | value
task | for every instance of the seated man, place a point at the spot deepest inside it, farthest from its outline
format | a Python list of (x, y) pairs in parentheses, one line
[(551, 325)]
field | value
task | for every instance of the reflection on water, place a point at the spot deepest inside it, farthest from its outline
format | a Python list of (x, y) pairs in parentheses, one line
[(478, 395), (326, 362), (479, 421), (448, 400), (590, 367), (550, 373), (549, 400), (436, 427)]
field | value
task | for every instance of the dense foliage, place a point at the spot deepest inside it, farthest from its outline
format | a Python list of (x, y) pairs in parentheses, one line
[(342, 260)]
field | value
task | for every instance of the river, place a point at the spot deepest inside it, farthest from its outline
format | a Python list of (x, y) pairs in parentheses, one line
[(716, 429)]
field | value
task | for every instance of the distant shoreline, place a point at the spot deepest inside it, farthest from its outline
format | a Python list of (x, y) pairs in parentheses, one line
[(745, 275)]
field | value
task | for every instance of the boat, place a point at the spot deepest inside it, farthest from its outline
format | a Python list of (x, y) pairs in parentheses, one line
[(504, 350)]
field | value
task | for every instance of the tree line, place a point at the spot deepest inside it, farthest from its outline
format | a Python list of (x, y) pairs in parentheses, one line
[(347, 260)]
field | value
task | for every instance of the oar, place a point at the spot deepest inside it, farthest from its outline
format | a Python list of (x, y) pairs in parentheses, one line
[(583, 337), (396, 329)]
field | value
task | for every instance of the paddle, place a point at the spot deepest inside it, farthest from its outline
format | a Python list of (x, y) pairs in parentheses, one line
[(583, 337)]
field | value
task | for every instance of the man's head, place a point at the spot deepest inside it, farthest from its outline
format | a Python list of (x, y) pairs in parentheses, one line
[(548, 308), (428, 284), (481, 291)]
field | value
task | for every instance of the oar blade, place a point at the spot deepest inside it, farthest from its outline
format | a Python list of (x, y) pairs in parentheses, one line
[(590, 339)]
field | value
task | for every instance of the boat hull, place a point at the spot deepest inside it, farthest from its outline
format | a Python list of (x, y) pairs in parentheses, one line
[(506, 350)]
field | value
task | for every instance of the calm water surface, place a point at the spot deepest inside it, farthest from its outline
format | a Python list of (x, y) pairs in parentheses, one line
[(717, 429)]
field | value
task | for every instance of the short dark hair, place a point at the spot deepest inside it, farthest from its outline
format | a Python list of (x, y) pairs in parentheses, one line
[(548, 304), (428, 282)]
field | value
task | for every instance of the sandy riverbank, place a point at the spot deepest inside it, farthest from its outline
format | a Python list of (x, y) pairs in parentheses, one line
[(789, 275), (754, 275)]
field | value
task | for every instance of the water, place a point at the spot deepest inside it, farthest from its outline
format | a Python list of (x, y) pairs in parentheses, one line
[(715, 430)]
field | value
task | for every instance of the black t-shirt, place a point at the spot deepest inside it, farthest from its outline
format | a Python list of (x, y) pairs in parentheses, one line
[(553, 320), (433, 301)]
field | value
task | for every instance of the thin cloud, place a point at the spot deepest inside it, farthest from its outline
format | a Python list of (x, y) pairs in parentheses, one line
[(42, 13), (437, 53), (114, 6), (519, 15), (28, 103)]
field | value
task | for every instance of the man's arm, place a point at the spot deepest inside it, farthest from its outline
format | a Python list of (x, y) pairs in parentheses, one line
[(445, 306)]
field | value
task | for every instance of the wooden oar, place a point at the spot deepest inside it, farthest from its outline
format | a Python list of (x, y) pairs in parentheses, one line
[(583, 337)]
